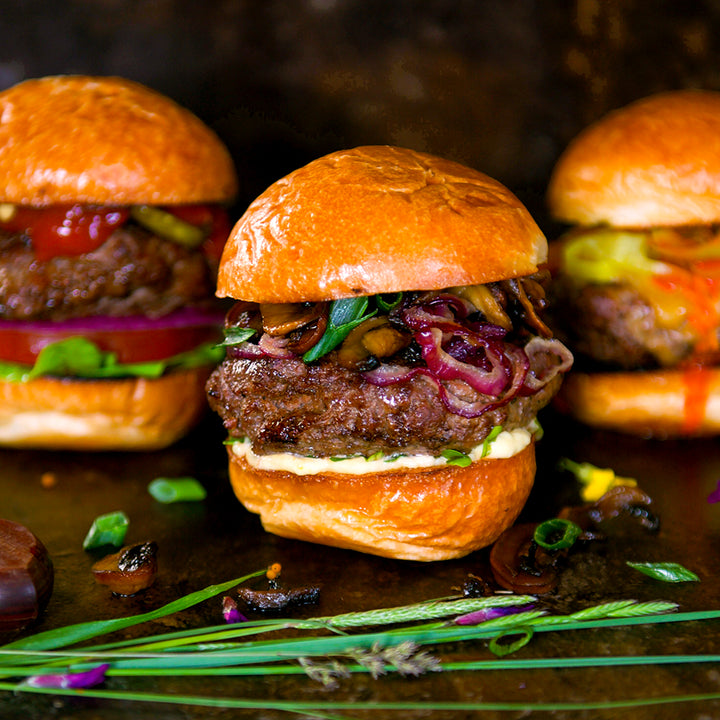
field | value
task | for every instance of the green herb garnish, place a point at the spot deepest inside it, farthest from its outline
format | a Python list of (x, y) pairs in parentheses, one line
[(344, 315), (236, 336), (665, 571), (455, 457), (109, 529), (489, 440), (180, 489)]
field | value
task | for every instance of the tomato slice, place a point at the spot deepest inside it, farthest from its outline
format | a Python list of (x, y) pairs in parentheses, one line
[(66, 229), (140, 341)]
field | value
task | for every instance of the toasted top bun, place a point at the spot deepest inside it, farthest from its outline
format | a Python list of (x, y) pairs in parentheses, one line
[(654, 162), (377, 219), (106, 140)]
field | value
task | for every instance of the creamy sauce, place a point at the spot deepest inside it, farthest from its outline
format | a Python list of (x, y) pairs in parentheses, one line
[(505, 445)]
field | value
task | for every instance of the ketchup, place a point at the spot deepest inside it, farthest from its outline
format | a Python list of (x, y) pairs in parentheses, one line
[(66, 229)]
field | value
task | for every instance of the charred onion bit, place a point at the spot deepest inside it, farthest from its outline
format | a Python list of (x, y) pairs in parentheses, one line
[(26, 576), (620, 500), (128, 571), (520, 565), (278, 599)]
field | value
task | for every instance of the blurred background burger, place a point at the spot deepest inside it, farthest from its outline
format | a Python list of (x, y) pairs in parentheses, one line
[(637, 292), (112, 221), (386, 359)]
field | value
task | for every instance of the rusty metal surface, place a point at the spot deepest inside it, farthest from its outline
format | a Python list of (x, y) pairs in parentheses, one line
[(216, 540)]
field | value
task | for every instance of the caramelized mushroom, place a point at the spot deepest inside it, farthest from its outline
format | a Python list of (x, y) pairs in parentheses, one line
[(129, 570), (283, 318), (374, 338), (279, 599), (520, 565), (620, 500), (244, 314), (486, 303)]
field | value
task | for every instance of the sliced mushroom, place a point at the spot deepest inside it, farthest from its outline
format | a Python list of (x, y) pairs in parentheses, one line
[(374, 338), (486, 303), (283, 318)]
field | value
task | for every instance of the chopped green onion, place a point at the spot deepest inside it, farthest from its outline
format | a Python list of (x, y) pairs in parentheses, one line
[(556, 534), (180, 489), (489, 439), (344, 315), (455, 457), (237, 335), (169, 226), (665, 571), (109, 529), (500, 649), (387, 305)]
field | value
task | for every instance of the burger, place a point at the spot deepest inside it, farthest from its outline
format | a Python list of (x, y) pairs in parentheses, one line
[(636, 294), (112, 219), (386, 359)]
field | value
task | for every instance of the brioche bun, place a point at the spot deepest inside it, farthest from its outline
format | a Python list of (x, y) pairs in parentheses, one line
[(660, 404), (652, 163), (106, 140), (377, 219), (124, 414), (434, 514)]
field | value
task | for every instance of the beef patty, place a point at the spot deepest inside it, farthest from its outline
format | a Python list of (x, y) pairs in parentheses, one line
[(322, 410), (132, 273)]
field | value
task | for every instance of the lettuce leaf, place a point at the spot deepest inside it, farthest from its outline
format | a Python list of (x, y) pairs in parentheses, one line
[(79, 357)]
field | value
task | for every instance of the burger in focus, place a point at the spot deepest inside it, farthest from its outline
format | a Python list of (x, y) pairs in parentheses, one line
[(112, 220), (386, 359), (636, 293)]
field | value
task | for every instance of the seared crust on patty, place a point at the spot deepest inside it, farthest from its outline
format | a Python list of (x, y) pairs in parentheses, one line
[(133, 272), (325, 410)]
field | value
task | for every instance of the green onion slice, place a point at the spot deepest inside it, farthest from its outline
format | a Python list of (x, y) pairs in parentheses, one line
[(390, 303), (109, 529), (665, 571), (180, 489), (557, 534), (489, 439)]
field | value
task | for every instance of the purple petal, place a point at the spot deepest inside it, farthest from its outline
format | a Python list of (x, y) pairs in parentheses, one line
[(714, 496), (231, 612), (86, 679), (479, 616)]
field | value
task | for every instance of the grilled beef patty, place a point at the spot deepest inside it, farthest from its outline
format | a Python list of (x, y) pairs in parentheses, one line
[(613, 325), (322, 410), (133, 272)]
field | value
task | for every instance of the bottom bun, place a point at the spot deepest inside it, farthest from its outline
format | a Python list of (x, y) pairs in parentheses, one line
[(430, 514), (124, 414), (663, 403)]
